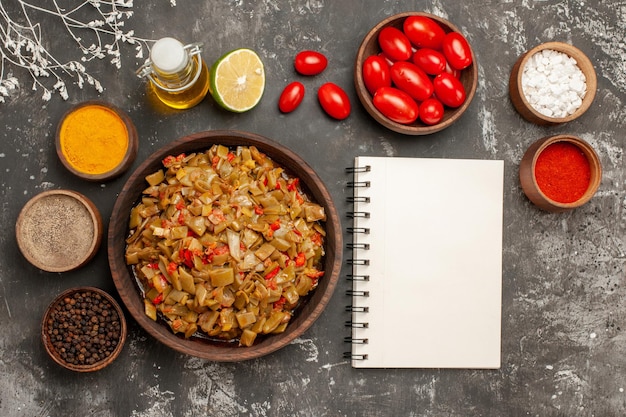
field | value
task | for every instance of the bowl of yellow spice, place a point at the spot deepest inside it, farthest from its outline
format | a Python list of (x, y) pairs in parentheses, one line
[(96, 141)]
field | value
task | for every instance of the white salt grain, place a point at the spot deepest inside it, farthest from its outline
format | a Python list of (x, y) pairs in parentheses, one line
[(553, 84)]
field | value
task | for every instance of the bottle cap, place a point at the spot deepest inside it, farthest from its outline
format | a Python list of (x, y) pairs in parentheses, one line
[(168, 55)]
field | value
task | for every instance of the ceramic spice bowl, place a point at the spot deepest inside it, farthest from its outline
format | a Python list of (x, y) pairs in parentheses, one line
[(59, 230), (468, 77), (560, 173), (96, 141), (83, 329), (551, 78)]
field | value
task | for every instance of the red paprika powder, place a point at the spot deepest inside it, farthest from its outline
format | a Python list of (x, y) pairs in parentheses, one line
[(563, 172)]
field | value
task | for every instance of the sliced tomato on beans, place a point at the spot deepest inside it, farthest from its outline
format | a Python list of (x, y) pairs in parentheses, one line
[(291, 97), (376, 73), (334, 101), (310, 62), (424, 32), (396, 105), (409, 78), (431, 61), (457, 50), (395, 44), (449, 90), (431, 111)]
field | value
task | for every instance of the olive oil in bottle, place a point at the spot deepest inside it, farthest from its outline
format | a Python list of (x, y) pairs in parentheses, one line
[(178, 76)]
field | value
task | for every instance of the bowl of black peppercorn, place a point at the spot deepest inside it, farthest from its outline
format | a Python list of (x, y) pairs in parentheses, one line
[(83, 329)]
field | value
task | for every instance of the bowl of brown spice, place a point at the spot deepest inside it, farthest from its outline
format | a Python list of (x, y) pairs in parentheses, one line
[(59, 230), (83, 329)]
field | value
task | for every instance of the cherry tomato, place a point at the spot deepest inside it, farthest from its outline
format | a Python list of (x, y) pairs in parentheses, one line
[(424, 32), (454, 72), (396, 105), (334, 101), (388, 60), (310, 62), (457, 50), (449, 90), (291, 97), (376, 73), (409, 78), (395, 44), (431, 61), (431, 111)]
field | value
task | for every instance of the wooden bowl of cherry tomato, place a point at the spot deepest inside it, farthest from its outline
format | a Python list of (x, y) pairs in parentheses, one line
[(415, 73)]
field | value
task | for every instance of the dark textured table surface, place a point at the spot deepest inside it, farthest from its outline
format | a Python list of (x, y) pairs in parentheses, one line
[(563, 311)]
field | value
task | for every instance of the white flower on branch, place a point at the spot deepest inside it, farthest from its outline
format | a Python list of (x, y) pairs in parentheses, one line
[(7, 86), (23, 46)]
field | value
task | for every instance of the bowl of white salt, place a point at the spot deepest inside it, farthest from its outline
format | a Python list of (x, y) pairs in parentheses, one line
[(552, 83)]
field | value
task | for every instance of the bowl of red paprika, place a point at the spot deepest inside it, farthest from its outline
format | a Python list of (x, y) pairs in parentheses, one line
[(415, 73), (559, 173)]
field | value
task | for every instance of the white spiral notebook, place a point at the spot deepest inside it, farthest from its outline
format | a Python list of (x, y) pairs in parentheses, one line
[(426, 263)]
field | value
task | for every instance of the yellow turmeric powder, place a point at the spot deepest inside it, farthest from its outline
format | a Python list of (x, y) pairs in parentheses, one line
[(93, 139)]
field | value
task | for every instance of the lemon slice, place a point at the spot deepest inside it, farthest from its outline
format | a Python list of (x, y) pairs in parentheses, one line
[(238, 80)]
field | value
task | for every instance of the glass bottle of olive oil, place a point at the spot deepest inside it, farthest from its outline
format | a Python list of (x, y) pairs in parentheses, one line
[(178, 76)]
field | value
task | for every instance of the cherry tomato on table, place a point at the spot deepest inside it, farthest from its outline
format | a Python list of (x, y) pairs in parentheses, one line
[(291, 97), (334, 101), (431, 61), (457, 50), (449, 90), (409, 78), (396, 105), (376, 73), (424, 32), (310, 62), (431, 111), (395, 44)]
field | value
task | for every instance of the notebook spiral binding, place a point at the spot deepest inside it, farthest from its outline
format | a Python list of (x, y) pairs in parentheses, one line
[(350, 355), (357, 309), (364, 214), (354, 170), (357, 277), (358, 246), (358, 199), (357, 261)]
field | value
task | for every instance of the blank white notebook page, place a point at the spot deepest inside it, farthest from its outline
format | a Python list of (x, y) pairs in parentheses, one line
[(435, 263)]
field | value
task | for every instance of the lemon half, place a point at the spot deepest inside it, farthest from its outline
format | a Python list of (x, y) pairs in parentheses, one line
[(238, 80)]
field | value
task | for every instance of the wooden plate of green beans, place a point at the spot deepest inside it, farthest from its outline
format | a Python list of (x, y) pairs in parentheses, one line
[(205, 259)]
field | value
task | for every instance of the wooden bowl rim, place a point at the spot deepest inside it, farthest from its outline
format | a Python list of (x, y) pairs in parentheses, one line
[(100, 364), (583, 62), (94, 245), (418, 128), (127, 160), (125, 282), (529, 181)]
